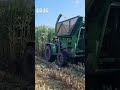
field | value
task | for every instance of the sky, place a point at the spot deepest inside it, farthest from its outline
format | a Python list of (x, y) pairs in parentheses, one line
[(69, 8)]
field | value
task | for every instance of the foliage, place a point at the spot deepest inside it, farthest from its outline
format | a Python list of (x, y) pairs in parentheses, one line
[(43, 35), (16, 18)]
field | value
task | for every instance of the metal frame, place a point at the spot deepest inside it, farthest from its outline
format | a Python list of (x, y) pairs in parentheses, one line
[(105, 22), (61, 23)]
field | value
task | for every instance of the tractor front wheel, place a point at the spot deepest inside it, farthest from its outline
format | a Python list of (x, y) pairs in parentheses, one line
[(62, 59), (48, 54)]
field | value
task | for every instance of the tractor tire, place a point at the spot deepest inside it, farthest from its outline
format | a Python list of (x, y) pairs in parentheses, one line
[(28, 64), (62, 59), (48, 54)]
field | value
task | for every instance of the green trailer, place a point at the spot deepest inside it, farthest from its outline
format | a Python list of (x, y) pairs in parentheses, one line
[(103, 35), (69, 43), (103, 41)]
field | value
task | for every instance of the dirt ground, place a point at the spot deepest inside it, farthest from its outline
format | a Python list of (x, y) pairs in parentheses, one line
[(48, 76)]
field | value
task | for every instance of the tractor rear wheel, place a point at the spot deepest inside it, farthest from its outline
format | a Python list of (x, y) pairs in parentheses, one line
[(48, 54), (62, 59)]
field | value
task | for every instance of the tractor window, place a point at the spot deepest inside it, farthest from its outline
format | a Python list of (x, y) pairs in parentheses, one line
[(64, 27), (111, 42)]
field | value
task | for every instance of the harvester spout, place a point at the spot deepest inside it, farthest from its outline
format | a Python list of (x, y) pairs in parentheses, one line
[(60, 15), (64, 16)]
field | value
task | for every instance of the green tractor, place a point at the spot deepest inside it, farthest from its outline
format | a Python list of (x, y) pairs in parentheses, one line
[(69, 43), (103, 42)]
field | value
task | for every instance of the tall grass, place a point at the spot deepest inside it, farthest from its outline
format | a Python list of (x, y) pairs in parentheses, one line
[(43, 35), (16, 19)]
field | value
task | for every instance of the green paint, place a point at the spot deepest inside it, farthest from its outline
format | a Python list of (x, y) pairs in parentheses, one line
[(71, 37)]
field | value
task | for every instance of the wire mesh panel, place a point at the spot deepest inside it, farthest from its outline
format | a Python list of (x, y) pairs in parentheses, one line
[(64, 27), (62, 30), (73, 22), (58, 26)]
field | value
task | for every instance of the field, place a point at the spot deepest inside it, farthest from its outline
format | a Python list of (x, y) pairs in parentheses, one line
[(48, 76)]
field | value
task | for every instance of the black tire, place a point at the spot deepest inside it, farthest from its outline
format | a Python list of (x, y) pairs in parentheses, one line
[(48, 54), (62, 59), (28, 63)]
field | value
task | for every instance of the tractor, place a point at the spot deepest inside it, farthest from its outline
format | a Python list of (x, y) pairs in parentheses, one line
[(69, 43), (103, 44)]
